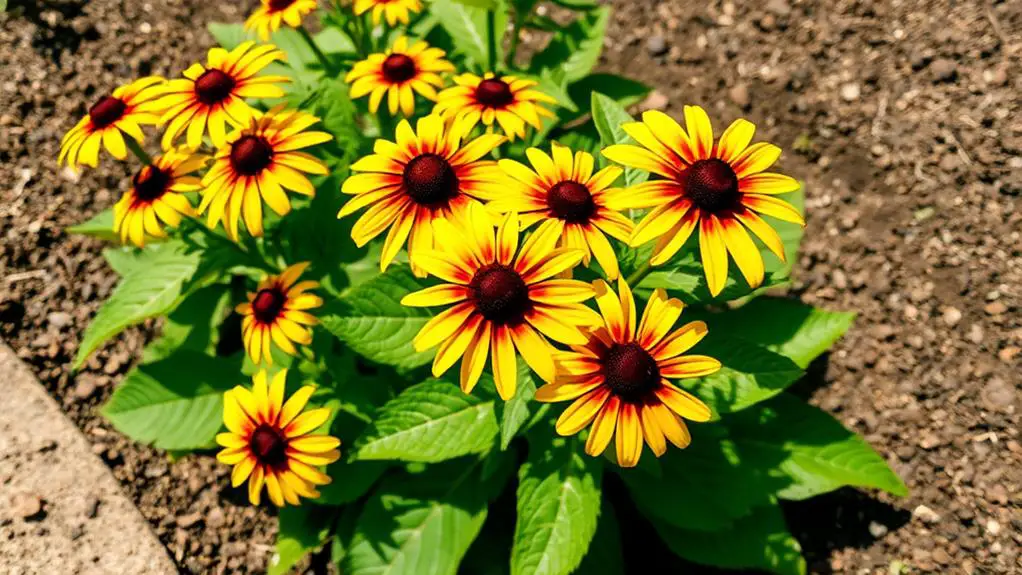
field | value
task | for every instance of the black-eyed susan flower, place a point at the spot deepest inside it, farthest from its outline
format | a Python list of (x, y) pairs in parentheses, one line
[(511, 102), (394, 10), (426, 175), (210, 97), (720, 189), (278, 312), (124, 111), (268, 17), (270, 442), (257, 164), (157, 194), (619, 378), (501, 301), (564, 193), (399, 73)]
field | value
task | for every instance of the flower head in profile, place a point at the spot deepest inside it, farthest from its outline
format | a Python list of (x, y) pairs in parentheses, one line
[(565, 194), (211, 97), (256, 164), (268, 17), (721, 190), (157, 193), (509, 101), (394, 10), (122, 112), (618, 380), (271, 442), (425, 175), (278, 312), (501, 298), (399, 73)]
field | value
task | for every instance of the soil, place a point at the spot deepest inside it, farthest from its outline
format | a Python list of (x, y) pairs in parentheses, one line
[(901, 117)]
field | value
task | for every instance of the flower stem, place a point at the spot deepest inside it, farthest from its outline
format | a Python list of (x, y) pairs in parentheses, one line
[(138, 151), (639, 274), (491, 30), (516, 30), (328, 68)]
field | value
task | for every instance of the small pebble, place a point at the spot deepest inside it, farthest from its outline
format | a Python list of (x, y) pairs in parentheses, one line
[(850, 92), (925, 514), (656, 45)]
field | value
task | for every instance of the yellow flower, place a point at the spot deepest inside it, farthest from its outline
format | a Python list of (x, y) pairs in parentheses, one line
[(212, 96), (125, 110), (564, 194), (277, 311), (256, 164), (618, 379), (269, 15), (395, 10), (399, 73), (501, 301), (720, 189), (511, 101), (270, 442), (158, 193), (423, 177)]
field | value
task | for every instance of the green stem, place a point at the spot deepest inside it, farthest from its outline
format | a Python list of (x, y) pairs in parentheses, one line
[(212, 237), (509, 60), (639, 274), (491, 30), (328, 68), (138, 151)]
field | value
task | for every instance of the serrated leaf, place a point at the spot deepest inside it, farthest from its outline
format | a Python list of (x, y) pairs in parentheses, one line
[(468, 29), (300, 531), (809, 448), (152, 288), (429, 422), (558, 506), (175, 403), (749, 374), (193, 325), (605, 556), (608, 116), (575, 49), (418, 524), (371, 320), (99, 226), (759, 541), (789, 327)]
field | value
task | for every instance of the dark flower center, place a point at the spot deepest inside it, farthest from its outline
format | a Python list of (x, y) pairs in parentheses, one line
[(267, 305), (398, 68), (250, 155), (571, 202), (106, 111), (712, 185), (494, 93), (500, 294), (150, 183), (280, 4), (430, 180), (213, 86), (268, 446), (630, 371)]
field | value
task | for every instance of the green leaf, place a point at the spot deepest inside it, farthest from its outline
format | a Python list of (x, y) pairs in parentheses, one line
[(759, 541), (175, 403), (624, 91), (469, 31), (608, 116), (484, 4), (151, 289), (99, 226), (429, 422), (605, 556), (577, 4), (809, 448), (372, 321), (300, 531), (558, 506), (418, 524), (750, 373), (574, 51), (514, 413), (706, 486), (193, 325), (333, 40), (788, 327), (228, 35)]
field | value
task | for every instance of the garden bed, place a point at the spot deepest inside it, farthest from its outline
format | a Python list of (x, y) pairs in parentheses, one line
[(902, 123)]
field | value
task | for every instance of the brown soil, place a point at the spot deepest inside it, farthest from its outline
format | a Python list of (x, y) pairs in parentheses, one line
[(902, 118)]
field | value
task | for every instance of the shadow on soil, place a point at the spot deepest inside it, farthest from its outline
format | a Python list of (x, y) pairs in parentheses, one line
[(52, 18)]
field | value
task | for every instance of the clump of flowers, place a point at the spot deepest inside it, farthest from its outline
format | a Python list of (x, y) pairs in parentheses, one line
[(513, 222)]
